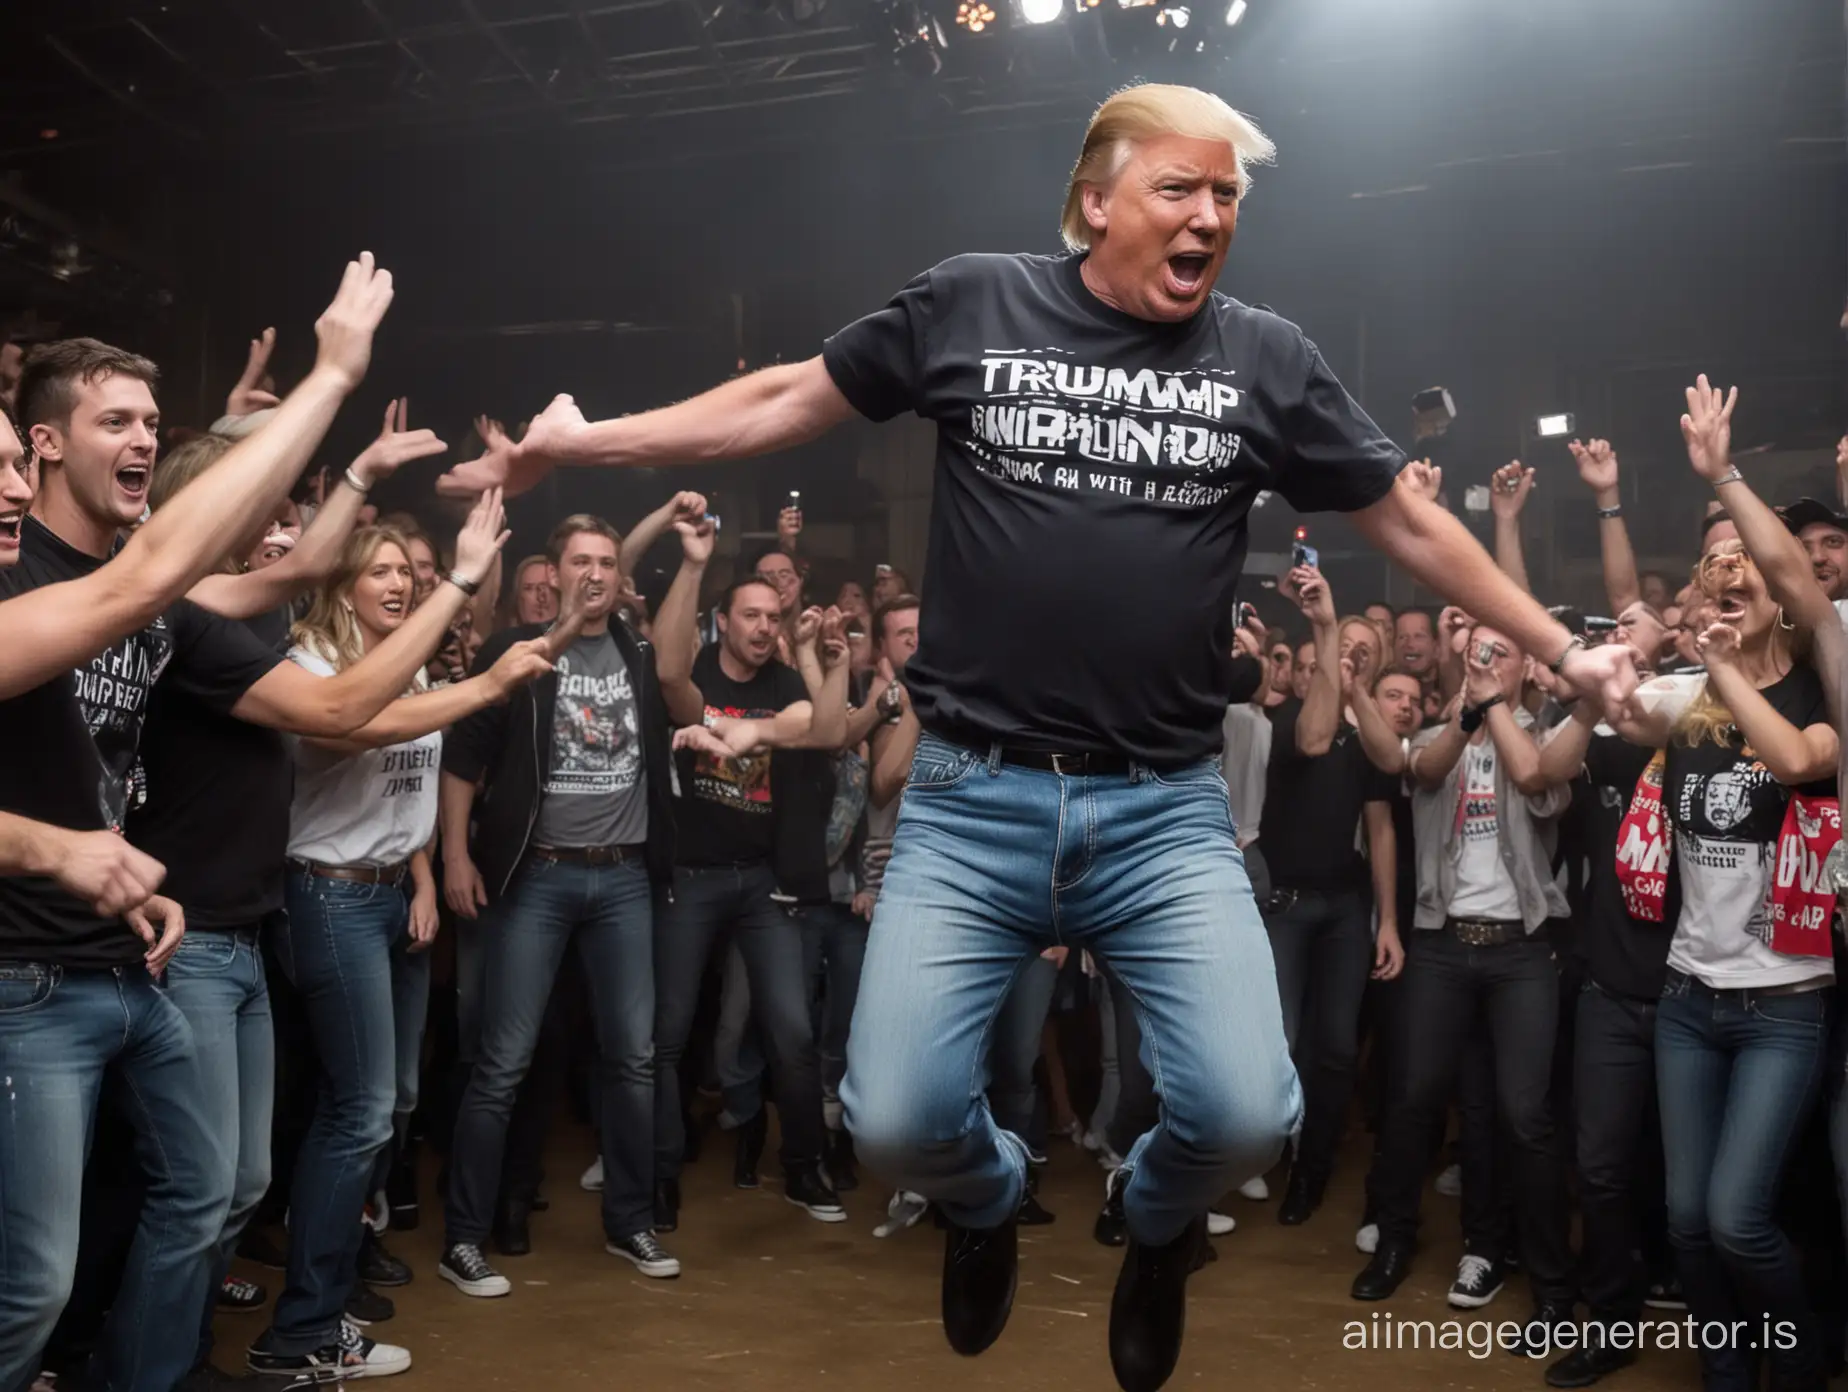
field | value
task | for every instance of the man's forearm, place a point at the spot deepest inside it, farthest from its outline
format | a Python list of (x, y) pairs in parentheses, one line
[(455, 800), (894, 749), (1383, 860), (1509, 554), (1431, 763), (1563, 755), (1621, 585), (1382, 745), (773, 409), (1320, 716), (645, 534), (313, 559), (1519, 755), (828, 730), (28, 847), (675, 632)]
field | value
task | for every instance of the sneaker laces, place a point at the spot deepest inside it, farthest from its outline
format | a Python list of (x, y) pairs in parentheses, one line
[(352, 1342), (466, 1261), (645, 1246), (1474, 1270)]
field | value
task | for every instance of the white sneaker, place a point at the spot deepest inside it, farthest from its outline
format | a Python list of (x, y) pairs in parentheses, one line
[(365, 1357), (592, 1179), (468, 1271), (903, 1211), (1367, 1239), (1255, 1189), (1450, 1182), (1219, 1224)]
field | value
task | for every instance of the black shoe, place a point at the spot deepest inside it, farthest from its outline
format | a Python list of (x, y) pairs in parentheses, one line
[(1112, 1227), (513, 1235), (1390, 1265), (1301, 1198), (980, 1268), (667, 1205), (751, 1137), (1208, 1254), (235, 1293), (401, 1191), (1479, 1280), (1149, 1310), (807, 1189), (259, 1247), (1665, 1294), (1551, 1315), (837, 1159), (366, 1306), (1583, 1367), (539, 1203), (1034, 1214), (377, 1267)]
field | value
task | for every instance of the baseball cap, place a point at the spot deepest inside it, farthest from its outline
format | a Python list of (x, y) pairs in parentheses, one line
[(1807, 512)]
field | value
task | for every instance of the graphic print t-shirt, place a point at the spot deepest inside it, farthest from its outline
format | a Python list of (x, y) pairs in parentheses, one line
[(1484, 887), (1624, 955), (724, 813), (1094, 472), (595, 793), (1728, 810), (73, 747)]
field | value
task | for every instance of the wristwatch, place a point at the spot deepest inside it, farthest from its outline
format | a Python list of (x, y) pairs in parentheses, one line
[(1471, 717), (1575, 644)]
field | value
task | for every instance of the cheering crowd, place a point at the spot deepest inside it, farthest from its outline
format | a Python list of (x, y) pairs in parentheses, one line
[(323, 842)]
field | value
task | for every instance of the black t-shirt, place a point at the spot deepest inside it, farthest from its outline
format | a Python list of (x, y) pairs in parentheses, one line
[(1094, 474), (1312, 806), (1624, 955), (217, 806), (724, 812), (73, 744)]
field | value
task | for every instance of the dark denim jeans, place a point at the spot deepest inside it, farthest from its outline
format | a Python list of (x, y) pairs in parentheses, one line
[(1323, 947), (607, 910), (1446, 988), (1739, 1073), (216, 979), (705, 906), (342, 946), (1619, 1150), (59, 1032)]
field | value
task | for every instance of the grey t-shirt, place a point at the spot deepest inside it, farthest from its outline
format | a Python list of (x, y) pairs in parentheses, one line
[(596, 792)]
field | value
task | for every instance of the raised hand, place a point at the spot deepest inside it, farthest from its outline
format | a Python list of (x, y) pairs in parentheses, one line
[(1479, 680), (570, 621), (1605, 674), (1311, 594), (1247, 639), (1597, 465), (513, 468), (1719, 644), (1707, 428), (481, 537), (689, 506), (162, 944), (346, 326), (249, 396), (788, 527), (833, 639), (1508, 489), (1424, 478), (696, 538), (1453, 627), (808, 627), (107, 873), (396, 445), (520, 664)]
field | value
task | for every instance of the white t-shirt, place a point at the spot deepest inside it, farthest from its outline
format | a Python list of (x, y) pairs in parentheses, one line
[(375, 808), (1484, 888)]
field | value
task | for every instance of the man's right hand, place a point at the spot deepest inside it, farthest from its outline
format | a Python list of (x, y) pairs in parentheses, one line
[(1597, 465), (696, 538), (514, 469), (346, 327), (463, 889), (1312, 595), (107, 873), (396, 444), (249, 396)]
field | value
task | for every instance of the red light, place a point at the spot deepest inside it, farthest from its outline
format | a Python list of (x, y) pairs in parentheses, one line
[(49, 133), (1302, 534)]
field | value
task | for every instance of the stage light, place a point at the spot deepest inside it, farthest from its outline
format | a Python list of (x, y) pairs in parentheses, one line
[(1040, 11), (974, 15), (1552, 427), (1236, 12), (917, 39), (1135, 4), (1177, 15)]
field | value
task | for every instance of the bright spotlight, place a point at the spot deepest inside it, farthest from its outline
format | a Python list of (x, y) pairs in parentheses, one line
[(1236, 12), (1177, 15), (1041, 11), (1552, 427), (974, 15)]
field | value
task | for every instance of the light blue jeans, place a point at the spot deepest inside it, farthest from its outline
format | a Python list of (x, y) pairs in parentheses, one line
[(993, 863)]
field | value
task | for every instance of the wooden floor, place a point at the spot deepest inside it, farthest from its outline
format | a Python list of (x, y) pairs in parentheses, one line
[(772, 1299)]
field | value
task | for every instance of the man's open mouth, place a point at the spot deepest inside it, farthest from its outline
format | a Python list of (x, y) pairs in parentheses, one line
[(10, 525), (1189, 269), (133, 479)]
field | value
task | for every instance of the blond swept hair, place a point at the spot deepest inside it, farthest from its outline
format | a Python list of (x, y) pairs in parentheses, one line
[(1140, 113), (330, 630)]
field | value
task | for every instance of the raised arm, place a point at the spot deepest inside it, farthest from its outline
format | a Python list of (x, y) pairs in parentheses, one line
[(759, 413), (1384, 748), (413, 717), (315, 555), (1792, 755), (1431, 762), (676, 635), (1508, 491), (58, 627), (1597, 469), (1321, 713), (682, 507), (1563, 754)]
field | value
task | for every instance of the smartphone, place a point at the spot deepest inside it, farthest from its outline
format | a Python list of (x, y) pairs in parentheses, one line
[(1245, 613), (1485, 652), (713, 518), (1302, 554), (795, 500)]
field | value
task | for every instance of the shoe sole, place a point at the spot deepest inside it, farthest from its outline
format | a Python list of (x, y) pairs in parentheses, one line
[(820, 1215), (1666, 1304), (367, 1323), (656, 1271), (372, 1370), (1472, 1302), (1219, 1226), (475, 1289)]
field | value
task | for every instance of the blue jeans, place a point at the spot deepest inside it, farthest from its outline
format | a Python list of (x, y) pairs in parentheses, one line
[(992, 864), (1019, 1028), (337, 945), (608, 910), (216, 979), (59, 1032), (1738, 1073)]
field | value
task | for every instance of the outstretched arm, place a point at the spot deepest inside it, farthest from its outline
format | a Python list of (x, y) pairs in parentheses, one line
[(51, 630), (682, 507), (1597, 467), (760, 413), (1508, 491)]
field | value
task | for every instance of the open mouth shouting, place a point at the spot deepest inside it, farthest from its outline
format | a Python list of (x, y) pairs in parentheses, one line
[(11, 521), (1186, 273), (1730, 608), (132, 479)]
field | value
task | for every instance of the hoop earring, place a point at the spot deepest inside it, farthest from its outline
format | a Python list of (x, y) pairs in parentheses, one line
[(1783, 622)]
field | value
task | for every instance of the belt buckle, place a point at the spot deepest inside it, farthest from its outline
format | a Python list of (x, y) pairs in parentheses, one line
[(1070, 765)]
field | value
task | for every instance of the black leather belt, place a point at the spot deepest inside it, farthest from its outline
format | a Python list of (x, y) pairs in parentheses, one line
[(587, 855), (1486, 932), (1070, 765), (357, 874)]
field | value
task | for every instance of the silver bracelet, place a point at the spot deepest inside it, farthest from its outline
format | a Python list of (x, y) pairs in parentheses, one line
[(356, 483), (1732, 475)]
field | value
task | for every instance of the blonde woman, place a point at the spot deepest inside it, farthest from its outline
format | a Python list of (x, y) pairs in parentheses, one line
[(361, 908)]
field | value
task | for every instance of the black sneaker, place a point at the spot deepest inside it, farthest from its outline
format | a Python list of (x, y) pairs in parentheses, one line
[(1539, 1335), (1586, 1366), (206, 1378), (1112, 1226), (1479, 1281), (468, 1271), (751, 1137), (350, 1355), (513, 1234), (837, 1160), (648, 1255), (235, 1293), (807, 1189), (378, 1267), (981, 1267), (366, 1306), (1666, 1295), (1034, 1214), (1148, 1311), (667, 1205)]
